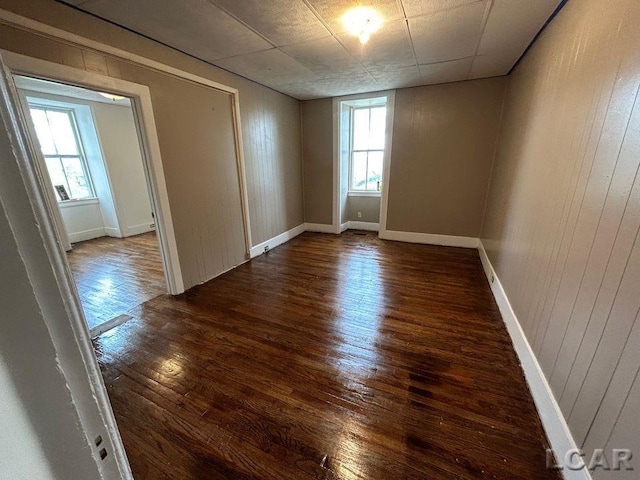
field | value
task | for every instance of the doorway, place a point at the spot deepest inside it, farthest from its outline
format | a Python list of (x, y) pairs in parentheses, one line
[(93, 170)]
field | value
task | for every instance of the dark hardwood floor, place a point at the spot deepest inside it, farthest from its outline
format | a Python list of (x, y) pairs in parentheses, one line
[(330, 357), (114, 275)]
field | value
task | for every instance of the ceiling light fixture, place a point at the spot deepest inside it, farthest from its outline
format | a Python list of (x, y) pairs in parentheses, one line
[(362, 22), (112, 96)]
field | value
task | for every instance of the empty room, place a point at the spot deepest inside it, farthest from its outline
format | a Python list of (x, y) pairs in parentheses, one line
[(320, 239)]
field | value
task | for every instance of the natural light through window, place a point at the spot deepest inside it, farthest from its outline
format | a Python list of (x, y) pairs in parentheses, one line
[(60, 144), (367, 148)]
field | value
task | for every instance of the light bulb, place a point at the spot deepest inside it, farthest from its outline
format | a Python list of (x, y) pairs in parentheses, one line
[(362, 22)]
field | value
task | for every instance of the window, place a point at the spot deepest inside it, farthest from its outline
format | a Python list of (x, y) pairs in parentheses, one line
[(63, 154), (367, 148)]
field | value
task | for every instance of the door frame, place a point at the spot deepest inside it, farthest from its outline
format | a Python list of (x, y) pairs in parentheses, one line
[(147, 135), (53, 285), (30, 25)]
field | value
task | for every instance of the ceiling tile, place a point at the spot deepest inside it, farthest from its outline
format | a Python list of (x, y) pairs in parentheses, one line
[(414, 8), (283, 23), (448, 34), (194, 26), (444, 72), (512, 24), (270, 66), (332, 11), (325, 56), (389, 46), (492, 65), (435, 45), (331, 87), (397, 77)]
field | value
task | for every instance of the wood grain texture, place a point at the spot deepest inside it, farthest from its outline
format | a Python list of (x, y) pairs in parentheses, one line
[(563, 215), (330, 357), (114, 275)]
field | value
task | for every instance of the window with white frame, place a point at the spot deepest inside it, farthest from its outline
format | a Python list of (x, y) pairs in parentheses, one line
[(367, 148), (62, 149)]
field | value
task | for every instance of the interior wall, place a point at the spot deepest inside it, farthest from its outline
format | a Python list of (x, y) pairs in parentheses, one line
[(443, 144), (116, 128), (317, 155), (563, 216), (192, 135), (444, 139), (367, 206), (44, 386), (82, 220)]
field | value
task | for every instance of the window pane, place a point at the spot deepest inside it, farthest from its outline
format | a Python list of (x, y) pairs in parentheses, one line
[(62, 132), (361, 129), (374, 174), (359, 172), (78, 182), (43, 133), (56, 173), (376, 139)]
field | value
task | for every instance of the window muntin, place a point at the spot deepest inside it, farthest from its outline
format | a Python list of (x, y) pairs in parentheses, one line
[(60, 143), (367, 148)]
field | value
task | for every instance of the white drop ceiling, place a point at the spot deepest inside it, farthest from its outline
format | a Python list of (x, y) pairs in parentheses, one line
[(301, 47)]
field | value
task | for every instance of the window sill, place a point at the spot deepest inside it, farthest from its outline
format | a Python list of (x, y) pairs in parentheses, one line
[(78, 203), (363, 194)]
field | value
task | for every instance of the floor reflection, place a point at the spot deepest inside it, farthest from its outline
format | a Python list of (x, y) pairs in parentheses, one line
[(359, 313), (114, 275)]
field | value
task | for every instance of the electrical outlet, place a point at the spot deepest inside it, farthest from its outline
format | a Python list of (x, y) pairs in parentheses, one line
[(359, 214), (103, 451)]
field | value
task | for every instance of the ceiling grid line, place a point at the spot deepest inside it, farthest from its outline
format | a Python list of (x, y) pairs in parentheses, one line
[(300, 48)]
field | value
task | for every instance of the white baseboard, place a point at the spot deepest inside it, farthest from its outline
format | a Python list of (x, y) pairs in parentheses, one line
[(112, 232), (76, 237), (430, 239), (278, 240), (344, 227), (553, 421), (319, 227), (369, 226), (138, 229)]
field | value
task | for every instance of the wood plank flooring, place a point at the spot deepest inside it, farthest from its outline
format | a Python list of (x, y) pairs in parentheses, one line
[(114, 275), (330, 357)]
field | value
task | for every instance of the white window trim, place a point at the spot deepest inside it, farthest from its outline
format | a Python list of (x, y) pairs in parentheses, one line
[(78, 203), (365, 193), (45, 105), (389, 96)]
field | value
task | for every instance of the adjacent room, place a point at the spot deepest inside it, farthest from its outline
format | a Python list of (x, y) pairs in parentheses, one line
[(319, 239), (95, 175)]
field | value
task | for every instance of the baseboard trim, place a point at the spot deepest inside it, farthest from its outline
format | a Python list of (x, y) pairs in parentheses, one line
[(86, 235), (553, 420), (430, 239), (277, 240), (369, 226), (319, 227), (139, 229), (112, 232), (344, 227)]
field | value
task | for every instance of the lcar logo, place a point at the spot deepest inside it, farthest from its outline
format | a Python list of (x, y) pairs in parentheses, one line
[(575, 459)]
